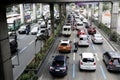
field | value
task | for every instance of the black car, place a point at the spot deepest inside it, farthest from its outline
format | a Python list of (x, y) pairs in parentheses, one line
[(112, 60), (59, 66)]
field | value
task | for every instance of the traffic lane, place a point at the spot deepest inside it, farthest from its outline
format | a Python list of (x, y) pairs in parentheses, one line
[(100, 50), (24, 39), (25, 56)]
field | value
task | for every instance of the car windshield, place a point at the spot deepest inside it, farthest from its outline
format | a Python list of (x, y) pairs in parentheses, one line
[(65, 29), (88, 60), (58, 63)]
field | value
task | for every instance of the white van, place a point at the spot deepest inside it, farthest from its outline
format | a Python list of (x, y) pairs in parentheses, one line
[(66, 30)]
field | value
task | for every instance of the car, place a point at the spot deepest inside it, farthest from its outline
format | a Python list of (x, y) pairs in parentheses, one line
[(66, 30), (87, 61), (59, 66), (65, 46), (34, 30), (23, 28), (79, 25), (83, 40), (81, 32), (41, 32), (112, 60), (97, 38), (91, 30), (40, 20)]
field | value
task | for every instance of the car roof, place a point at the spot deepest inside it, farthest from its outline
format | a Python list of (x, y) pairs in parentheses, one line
[(114, 54), (59, 58), (87, 55), (97, 34), (83, 36), (65, 41)]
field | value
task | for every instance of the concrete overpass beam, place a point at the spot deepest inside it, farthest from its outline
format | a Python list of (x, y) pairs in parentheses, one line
[(100, 12), (6, 72), (114, 17)]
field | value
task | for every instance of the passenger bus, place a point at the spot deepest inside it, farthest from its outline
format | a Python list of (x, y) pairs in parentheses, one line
[(13, 23)]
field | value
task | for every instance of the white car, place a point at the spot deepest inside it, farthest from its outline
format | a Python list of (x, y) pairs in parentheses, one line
[(40, 33), (83, 40), (97, 38), (87, 61), (34, 31)]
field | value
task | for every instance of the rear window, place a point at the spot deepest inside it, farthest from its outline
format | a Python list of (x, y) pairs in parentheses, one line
[(66, 29), (116, 61), (58, 63), (64, 44), (88, 60), (83, 38)]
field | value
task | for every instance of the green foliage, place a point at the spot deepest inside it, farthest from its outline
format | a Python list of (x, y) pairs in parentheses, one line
[(28, 76), (104, 28)]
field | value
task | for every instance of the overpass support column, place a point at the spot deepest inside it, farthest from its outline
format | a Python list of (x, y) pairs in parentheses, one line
[(64, 9), (114, 17), (22, 13), (34, 12), (41, 7), (92, 12), (6, 72), (60, 13), (52, 17), (87, 11), (100, 12)]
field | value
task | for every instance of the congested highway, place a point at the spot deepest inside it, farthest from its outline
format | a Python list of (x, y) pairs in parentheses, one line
[(101, 72), (74, 73)]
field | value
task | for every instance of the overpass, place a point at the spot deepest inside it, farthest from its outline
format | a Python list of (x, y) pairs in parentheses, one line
[(5, 56)]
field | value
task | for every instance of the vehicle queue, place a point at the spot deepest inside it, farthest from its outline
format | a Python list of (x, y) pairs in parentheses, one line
[(86, 34)]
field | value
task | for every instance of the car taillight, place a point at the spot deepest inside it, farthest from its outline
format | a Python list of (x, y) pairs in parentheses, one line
[(94, 63), (110, 63), (51, 68), (81, 63), (63, 68)]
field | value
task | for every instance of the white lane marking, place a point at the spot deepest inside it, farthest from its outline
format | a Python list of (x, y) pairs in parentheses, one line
[(73, 56), (23, 49), (13, 57), (103, 73), (31, 42), (97, 56), (107, 43)]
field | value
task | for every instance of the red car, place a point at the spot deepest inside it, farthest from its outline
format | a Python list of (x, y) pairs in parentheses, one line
[(81, 32), (91, 30)]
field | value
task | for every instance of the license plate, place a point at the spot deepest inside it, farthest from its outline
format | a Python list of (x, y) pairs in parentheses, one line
[(57, 70)]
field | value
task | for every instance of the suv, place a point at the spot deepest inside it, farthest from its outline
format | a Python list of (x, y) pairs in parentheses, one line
[(65, 46), (87, 61), (59, 66), (112, 60)]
